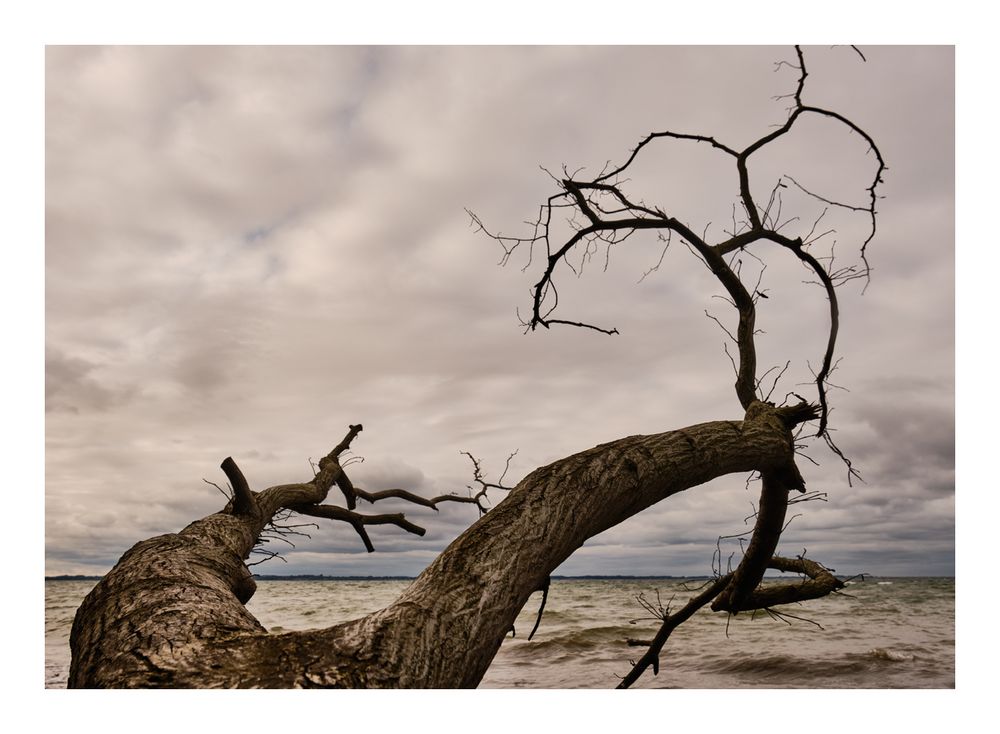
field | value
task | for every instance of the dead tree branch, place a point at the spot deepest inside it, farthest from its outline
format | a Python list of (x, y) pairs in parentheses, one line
[(480, 497), (819, 582), (358, 521), (670, 623), (278, 503), (762, 224), (445, 628)]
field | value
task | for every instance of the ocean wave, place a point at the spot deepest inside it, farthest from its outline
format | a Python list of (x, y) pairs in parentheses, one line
[(891, 636), (847, 667), (782, 666), (575, 641), (550, 616), (881, 653)]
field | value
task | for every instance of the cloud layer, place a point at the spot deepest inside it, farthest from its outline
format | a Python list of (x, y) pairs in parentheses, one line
[(247, 249)]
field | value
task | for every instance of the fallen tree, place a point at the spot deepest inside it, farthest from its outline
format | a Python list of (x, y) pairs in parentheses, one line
[(171, 613)]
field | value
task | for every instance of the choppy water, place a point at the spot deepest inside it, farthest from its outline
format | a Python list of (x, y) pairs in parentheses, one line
[(890, 633)]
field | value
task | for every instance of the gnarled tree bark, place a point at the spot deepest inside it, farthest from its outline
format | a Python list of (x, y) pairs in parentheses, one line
[(171, 612)]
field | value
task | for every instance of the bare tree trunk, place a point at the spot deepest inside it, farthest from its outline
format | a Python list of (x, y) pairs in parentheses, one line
[(171, 613)]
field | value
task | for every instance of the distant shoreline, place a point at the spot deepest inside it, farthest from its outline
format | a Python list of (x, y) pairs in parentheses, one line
[(324, 577)]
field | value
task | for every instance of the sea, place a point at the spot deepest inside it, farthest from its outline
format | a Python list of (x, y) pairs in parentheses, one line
[(879, 633)]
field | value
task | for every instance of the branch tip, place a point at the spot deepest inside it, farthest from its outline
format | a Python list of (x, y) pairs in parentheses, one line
[(243, 499)]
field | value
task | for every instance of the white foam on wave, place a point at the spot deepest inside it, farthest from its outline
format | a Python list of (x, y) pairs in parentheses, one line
[(882, 653)]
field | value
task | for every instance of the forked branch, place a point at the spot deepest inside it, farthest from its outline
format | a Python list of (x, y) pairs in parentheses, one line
[(477, 497), (600, 209), (358, 521), (592, 220), (308, 499), (818, 581), (652, 656)]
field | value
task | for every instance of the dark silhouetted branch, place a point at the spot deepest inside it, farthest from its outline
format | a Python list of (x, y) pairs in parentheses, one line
[(480, 496), (373, 497), (243, 499), (819, 583), (541, 607), (358, 521), (670, 623)]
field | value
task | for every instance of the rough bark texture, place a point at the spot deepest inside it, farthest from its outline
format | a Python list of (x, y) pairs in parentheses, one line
[(171, 611)]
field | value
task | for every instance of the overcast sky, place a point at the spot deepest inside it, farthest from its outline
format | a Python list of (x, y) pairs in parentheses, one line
[(248, 249)]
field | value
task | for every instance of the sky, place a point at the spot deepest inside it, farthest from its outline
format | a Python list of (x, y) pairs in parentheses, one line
[(247, 249)]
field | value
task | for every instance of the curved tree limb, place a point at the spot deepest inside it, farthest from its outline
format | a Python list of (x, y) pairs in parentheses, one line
[(771, 510), (818, 582), (178, 598), (762, 225), (637, 216), (171, 611)]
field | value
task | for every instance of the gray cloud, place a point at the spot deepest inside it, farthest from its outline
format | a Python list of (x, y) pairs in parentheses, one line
[(247, 249), (70, 384)]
